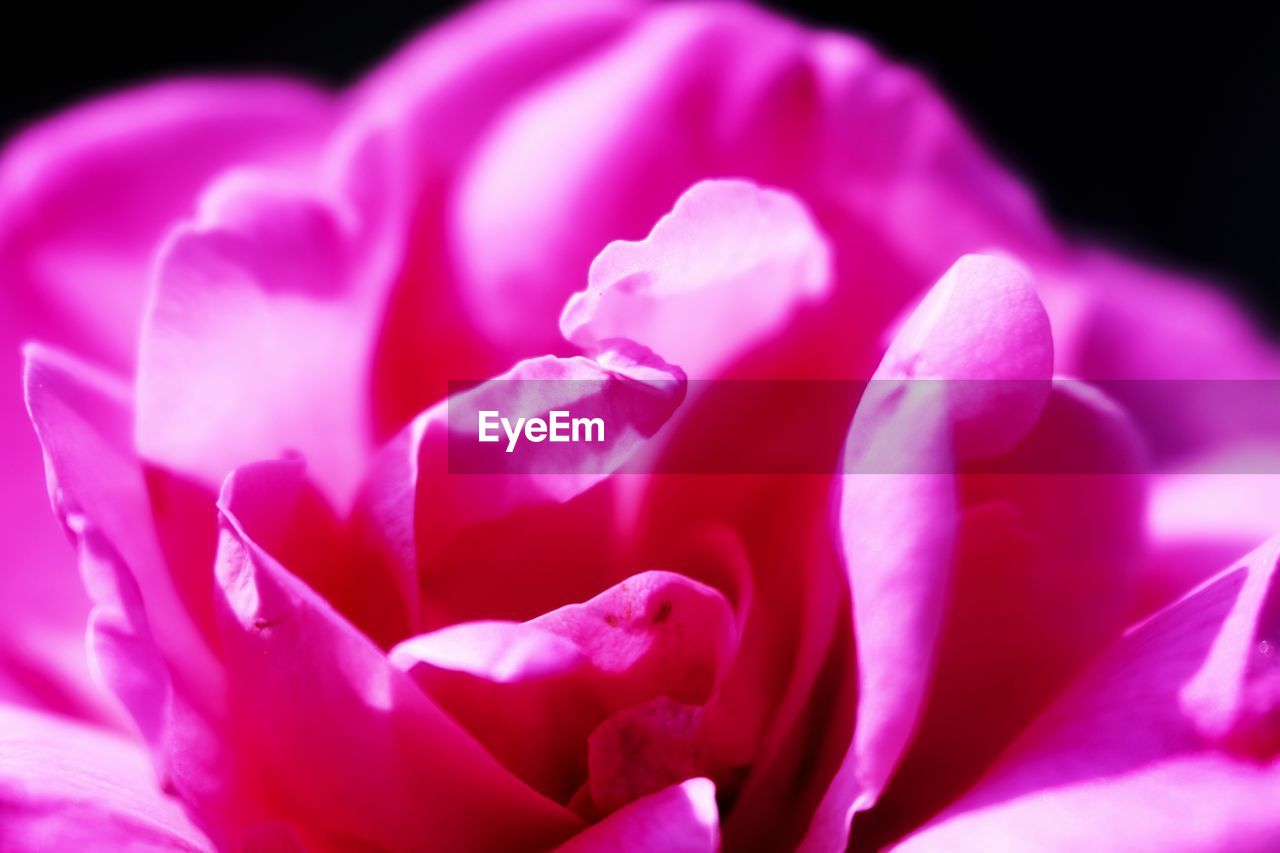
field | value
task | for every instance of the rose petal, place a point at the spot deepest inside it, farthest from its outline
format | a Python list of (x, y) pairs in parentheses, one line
[(679, 819), (67, 786), (143, 642), (258, 336), (87, 196), (729, 253), (545, 536), (437, 92), (1203, 512), (403, 774), (982, 322), (1174, 369), (287, 516), (699, 66), (429, 103), (533, 692), (1166, 742)]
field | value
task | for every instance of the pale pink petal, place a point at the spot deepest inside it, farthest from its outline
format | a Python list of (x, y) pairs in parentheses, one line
[(258, 339), (143, 643), (87, 196), (429, 103), (402, 774), (679, 819), (884, 162), (600, 131), (1175, 368), (897, 530), (66, 786), (1167, 742), (44, 606), (436, 94), (1203, 512), (730, 254)]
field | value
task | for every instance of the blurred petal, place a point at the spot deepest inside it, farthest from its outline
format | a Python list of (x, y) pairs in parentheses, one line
[(143, 643), (65, 786), (437, 93), (429, 103), (601, 132), (87, 196), (1167, 742), (403, 774), (44, 605), (258, 337), (1173, 369), (1203, 512), (730, 255), (679, 819)]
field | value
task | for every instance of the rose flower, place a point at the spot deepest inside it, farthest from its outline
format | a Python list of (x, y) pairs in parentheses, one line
[(1021, 601)]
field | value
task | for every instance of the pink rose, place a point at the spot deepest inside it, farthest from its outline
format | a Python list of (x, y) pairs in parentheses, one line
[(247, 305)]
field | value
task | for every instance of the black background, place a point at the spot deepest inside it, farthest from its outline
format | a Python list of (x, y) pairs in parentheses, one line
[(1159, 132)]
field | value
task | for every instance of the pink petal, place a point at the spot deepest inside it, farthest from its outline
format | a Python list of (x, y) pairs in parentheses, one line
[(1173, 366), (881, 157), (781, 719), (67, 786), (729, 254), (143, 644), (350, 744), (43, 604), (981, 322), (1167, 742), (87, 196), (288, 518), (1028, 600), (258, 337), (1203, 512), (643, 749), (438, 502), (436, 93), (608, 119), (679, 819), (533, 692), (429, 103)]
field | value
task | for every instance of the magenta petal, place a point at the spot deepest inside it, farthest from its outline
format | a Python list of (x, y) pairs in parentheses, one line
[(643, 749), (43, 605), (288, 518), (143, 643), (65, 786), (1168, 742), (87, 196), (350, 743), (730, 255), (416, 510), (679, 819), (981, 322), (438, 92), (533, 692), (1201, 517), (82, 418)]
